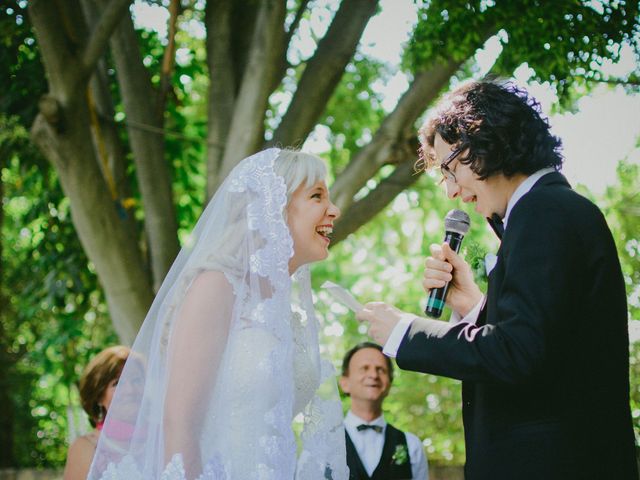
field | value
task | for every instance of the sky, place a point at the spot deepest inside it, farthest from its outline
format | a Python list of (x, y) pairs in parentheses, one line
[(604, 129)]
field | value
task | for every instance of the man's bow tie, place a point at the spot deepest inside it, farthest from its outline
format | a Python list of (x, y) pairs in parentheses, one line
[(375, 428), (496, 224)]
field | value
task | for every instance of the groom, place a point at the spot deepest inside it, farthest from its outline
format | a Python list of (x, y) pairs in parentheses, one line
[(544, 356)]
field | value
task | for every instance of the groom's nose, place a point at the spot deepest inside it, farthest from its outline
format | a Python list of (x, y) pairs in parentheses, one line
[(453, 191)]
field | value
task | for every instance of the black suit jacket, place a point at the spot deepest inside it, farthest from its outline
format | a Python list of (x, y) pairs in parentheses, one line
[(545, 370)]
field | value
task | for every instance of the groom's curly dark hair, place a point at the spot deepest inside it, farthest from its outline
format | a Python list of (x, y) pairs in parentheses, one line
[(499, 125)]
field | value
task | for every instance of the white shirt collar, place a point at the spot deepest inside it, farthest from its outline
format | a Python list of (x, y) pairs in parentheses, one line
[(352, 420), (524, 188)]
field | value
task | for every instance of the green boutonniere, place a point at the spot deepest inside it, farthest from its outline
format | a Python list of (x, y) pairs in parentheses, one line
[(400, 456), (475, 255)]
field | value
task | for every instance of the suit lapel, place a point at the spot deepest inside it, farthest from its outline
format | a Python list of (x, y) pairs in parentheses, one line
[(353, 460)]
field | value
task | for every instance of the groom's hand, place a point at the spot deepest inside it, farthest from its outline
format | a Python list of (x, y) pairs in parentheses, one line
[(382, 319), (445, 265)]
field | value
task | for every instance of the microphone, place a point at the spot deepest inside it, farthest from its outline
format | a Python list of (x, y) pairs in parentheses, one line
[(456, 225)]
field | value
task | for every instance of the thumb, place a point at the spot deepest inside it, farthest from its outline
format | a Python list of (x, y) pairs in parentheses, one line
[(451, 256)]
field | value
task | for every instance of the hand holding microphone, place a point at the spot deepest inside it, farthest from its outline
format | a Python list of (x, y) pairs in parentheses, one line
[(447, 277)]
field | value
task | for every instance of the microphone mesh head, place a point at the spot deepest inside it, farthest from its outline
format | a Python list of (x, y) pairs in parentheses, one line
[(457, 221)]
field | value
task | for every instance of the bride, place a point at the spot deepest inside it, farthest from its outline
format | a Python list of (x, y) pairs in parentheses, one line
[(228, 354)]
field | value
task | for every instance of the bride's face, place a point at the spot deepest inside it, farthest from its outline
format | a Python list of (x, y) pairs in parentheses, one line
[(310, 216)]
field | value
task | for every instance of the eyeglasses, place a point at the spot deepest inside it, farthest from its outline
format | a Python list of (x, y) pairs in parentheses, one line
[(447, 173)]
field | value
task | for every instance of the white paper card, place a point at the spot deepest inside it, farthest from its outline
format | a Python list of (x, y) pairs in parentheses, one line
[(342, 295)]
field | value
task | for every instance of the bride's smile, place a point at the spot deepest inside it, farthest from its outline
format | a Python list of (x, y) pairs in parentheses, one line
[(310, 215)]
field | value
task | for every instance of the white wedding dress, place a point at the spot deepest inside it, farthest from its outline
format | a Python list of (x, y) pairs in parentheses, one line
[(228, 356)]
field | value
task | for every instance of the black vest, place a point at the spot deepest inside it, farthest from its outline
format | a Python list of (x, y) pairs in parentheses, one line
[(388, 468)]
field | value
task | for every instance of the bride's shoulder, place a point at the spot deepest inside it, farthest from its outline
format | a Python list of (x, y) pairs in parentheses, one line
[(208, 279), (212, 277)]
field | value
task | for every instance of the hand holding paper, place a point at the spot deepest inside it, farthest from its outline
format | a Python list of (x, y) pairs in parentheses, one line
[(382, 318)]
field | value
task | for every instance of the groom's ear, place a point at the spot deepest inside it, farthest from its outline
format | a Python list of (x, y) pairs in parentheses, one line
[(344, 385)]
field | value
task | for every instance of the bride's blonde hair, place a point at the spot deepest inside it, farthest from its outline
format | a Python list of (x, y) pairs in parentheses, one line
[(297, 167)]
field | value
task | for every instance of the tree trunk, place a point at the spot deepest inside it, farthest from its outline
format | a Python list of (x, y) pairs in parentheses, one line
[(360, 212), (152, 170), (222, 86), (106, 138), (62, 132), (283, 62), (102, 233), (246, 128)]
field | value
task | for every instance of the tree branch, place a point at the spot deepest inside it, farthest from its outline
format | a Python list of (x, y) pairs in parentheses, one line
[(242, 28), (324, 70), (109, 20), (106, 132), (169, 58), (222, 87), (284, 63), (246, 129), (423, 90), (56, 48), (360, 212), (152, 169), (632, 81)]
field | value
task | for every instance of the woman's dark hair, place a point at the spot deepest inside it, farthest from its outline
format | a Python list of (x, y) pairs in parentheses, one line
[(499, 125), (105, 367), (347, 357)]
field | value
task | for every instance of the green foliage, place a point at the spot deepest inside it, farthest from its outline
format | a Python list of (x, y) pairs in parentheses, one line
[(621, 206), (448, 30), (565, 45), (186, 126), (55, 317), (21, 74), (572, 41), (354, 112)]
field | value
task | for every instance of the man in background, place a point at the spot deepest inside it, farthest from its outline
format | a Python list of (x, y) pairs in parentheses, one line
[(376, 450)]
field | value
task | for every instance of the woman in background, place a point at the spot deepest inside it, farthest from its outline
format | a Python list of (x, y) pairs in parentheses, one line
[(97, 385)]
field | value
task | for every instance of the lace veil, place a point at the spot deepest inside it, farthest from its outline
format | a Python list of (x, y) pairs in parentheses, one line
[(228, 355)]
